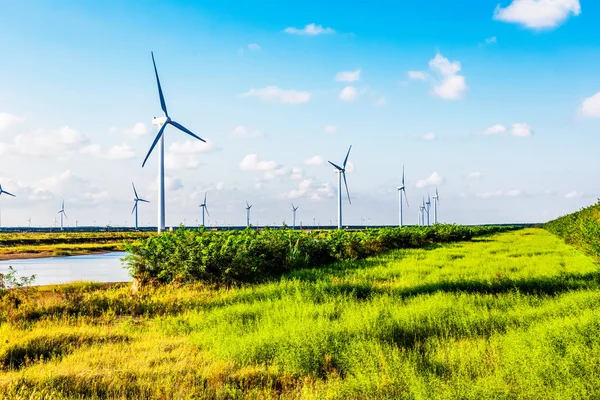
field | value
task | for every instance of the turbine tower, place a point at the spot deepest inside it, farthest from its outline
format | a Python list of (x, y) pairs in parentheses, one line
[(428, 204), (294, 219), (402, 192), (163, 122), (436, 200), (2, 191), (136, 199), (422, 212), (204, 208), (341, 171), (62, 213), (248, 207)]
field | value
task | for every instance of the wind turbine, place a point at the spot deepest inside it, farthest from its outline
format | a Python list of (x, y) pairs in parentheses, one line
[(341, 171), (402, 191), (248, 207), (2, 191), (204, 208), (62, 212), (163, 122), (294, 211), (436, 200), (422, 212), (29, 220), (428, 204), (136, 199)]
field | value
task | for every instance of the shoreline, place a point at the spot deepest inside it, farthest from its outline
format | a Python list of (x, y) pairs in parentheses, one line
[(51, 254)]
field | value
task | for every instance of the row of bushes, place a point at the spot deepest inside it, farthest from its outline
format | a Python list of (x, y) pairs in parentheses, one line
[(580, 229), (253, 255)]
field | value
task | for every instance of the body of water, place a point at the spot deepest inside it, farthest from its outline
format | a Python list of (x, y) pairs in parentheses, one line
[(54, 270)]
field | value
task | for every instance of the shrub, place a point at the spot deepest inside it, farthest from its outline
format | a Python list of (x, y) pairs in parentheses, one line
[(580, 229)]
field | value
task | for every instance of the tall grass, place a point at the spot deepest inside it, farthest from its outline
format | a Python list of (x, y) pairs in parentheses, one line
[(580, 229), (510, 316)]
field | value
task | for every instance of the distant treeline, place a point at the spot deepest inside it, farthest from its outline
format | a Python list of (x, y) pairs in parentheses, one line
[(580, 229), (254, 255)]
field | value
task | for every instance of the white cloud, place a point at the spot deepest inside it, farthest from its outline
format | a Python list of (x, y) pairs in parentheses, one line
[(433, 180), (55, 143), (419, 75), (253, 47), (348, 94), (173, 183), (491, 40), (573, 195), (428, 136), (381, 101), (538, 14), (120, 152), (330, 129), (474, 176), (348, 76), (449, 85), (521, 130), (139, 129), (591, 106), (192, 146), (495, 130), (7, 120), (243, 132), (499, 193), (315, 161), (310, 30), (251, 163), (175, 161), (273, 93), (297, 173), (309, 189)]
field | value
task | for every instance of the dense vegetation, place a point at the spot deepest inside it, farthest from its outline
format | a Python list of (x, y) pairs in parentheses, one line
[(253, 255), (580, 229), (511, 316)]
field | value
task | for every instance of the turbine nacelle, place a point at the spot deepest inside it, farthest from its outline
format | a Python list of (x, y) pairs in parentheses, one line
[(159, 121)]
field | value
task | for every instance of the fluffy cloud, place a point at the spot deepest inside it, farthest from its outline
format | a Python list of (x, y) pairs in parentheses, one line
[(449, 85), (349, 94), (310, 30), (491, 40), (573, 195), (192, 146), (519, 130), (297, 173), (172, 183), (538, 14), (7, 120), (591, 106), (433, 180), (348, 76), (253, 47), (275, 94), (55, 143), (330, 129), (428, 136), (495, 130), (118, 152), (243, 132), (139, 129), (251, 163), (419, 75), (315, 161), (309, 189), (178, 161)]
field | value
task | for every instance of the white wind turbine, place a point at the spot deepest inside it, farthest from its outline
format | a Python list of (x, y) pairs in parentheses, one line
[(422, 209), (204, 208), (436, 200), (248, 207), (402, 192), (341, 171), (428, 204), (163, 122), (294, 209), (2, 191), (62, 213), (136, 199)]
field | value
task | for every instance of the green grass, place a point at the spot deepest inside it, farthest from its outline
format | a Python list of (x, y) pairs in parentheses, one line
[(515, 315)]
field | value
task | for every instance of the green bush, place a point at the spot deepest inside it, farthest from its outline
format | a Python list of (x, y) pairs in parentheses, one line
[(252, 255), (580, 229)]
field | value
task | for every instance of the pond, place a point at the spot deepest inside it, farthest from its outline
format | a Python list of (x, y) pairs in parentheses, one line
[(54, 270)]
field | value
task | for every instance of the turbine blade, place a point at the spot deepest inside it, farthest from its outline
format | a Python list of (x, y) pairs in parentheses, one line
[(65, 214), (186, 130), (347, 191), (403, 176), (347, 154), (206, 208), (160, 133), (205, 198), (134, 207), (247, 205), (10, 194), (336, 166), (406, 198), (134, 191), (160, 92), (144, 201)]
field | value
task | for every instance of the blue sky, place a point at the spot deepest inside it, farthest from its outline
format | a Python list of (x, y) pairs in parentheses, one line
[(493, 102)]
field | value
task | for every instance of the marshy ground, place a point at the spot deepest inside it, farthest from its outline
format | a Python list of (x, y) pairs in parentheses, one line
[(513, 315)]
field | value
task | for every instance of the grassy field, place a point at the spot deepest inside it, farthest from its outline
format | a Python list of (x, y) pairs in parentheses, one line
[(33, 244), (514, 315)]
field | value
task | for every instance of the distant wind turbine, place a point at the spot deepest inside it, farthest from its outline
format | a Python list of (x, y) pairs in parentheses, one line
[(248, 207), (29, 220), (422, 212), (402, 192), (436, 200), (62, 213), (204, 208), (2, 191), (136, 200), (163, 122), (428, 204), (341, 171), (294, 209)]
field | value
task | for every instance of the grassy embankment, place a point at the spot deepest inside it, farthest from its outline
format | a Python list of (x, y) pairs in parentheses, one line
[(515, 315), (580, 229), (33, 245)]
